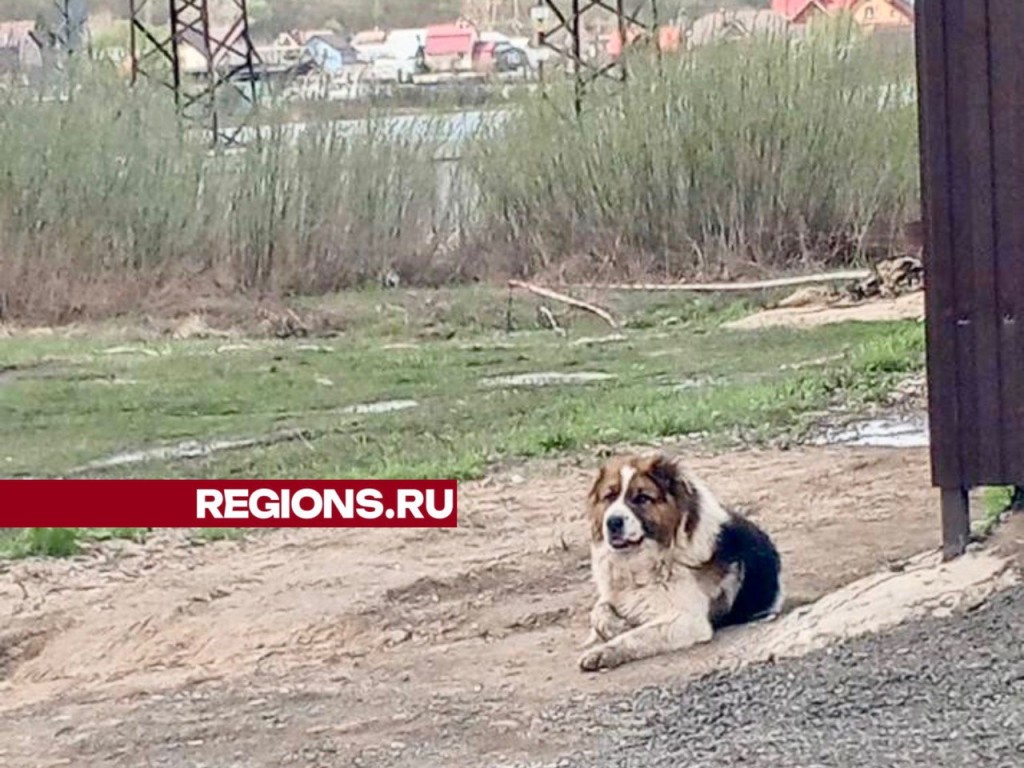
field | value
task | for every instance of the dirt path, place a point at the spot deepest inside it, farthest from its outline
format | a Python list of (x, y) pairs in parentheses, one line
[(329, 646)]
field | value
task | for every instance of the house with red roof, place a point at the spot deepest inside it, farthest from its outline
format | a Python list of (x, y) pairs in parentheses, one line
[(450, 47)]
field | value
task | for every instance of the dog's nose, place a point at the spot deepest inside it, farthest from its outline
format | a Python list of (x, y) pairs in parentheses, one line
[(615, 526)]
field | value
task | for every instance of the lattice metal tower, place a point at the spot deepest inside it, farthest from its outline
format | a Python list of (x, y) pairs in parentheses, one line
[(204, 64), (72, 18), (568, 27)]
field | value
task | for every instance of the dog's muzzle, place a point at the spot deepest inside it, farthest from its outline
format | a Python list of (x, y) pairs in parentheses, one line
[(617, 534)]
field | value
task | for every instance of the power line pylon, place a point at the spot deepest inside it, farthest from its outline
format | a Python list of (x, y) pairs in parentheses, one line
[(568, 28), (201, 63)]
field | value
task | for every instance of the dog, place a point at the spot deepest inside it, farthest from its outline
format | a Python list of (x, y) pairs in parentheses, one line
[(671, 564)]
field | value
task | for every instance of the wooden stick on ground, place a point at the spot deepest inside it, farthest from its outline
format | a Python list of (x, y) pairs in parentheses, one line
[(549, 318), (561, 297), (758, 285)]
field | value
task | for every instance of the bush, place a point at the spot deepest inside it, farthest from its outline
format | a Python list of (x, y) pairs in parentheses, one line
[(106, 198), (754, 155), (764, 153)]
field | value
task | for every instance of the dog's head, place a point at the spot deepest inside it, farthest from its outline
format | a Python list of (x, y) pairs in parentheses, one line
[(640, 501)]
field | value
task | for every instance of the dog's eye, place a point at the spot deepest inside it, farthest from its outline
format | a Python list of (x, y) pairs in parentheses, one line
[(611, 495), (642, 498)]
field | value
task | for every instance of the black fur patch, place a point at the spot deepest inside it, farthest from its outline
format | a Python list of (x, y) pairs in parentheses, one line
[(741, 543)]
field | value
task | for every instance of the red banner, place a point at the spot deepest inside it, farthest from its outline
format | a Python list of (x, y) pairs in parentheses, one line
[(228, 503)]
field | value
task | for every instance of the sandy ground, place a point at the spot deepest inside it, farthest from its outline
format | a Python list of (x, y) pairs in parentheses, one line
[(895, 698), (325, 647), (909, 306)]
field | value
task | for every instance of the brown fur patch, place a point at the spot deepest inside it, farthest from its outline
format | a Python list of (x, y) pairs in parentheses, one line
[(659, 495)]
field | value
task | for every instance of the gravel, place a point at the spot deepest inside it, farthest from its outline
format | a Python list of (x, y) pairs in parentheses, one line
[(934, 693), (938, 692)]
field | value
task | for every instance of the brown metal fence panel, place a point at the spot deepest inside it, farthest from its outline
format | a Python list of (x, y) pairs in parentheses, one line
[(971, 74), (1007, 90), (939, 268)]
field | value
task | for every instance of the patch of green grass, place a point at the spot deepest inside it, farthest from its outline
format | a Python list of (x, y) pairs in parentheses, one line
[(686, 378), (996, 501), (59, 542), (40, 542), (677, 380), (18, 543)]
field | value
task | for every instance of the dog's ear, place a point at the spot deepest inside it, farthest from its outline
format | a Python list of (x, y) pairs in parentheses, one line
[(667, 471), (592, 497), (595, 514), (670, 475)]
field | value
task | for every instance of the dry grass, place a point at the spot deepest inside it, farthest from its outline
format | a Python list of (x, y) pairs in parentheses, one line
[(751, 156), (104, 202), (764, 155)]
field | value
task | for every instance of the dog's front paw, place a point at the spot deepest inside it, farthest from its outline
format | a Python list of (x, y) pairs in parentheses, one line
[(606, 622), (601, 657)]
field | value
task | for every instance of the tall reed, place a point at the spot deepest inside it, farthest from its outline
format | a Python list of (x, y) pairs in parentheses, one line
[(762, 154), (756, 154), (106, 198)]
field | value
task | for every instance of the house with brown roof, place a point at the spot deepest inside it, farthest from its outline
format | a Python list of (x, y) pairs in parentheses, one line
[(870, 14), (876, 14)]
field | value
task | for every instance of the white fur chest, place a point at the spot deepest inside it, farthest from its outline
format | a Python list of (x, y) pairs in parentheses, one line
[(644, 585)]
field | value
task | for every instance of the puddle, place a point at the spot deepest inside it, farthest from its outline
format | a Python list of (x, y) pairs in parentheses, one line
[(131, 351), (321, 348), (115, 382), (591, 341), (194, 449), (385, 406), (815, 363), (189, 449), (546, 379), (909, 432)]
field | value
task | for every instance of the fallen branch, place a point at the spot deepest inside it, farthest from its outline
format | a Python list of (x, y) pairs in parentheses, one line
[(561, 297), (757, 285)]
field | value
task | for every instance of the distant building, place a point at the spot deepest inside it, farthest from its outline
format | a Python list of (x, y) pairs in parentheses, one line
[(871, 14), (406, 44), (401, 56), (740, 23), (449, 47), (332, 53), (192, 52), (298, 38), (370, 43), (20, 51), (876, 14)]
